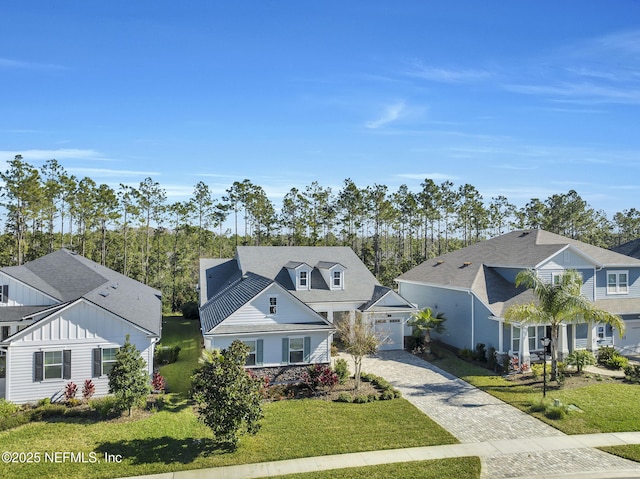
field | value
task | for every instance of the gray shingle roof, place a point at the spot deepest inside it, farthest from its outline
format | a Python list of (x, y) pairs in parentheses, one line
[(518, 249), (270, 261), (470, 268), (630, 248), (67, 276), (271, 328), (231, 298)]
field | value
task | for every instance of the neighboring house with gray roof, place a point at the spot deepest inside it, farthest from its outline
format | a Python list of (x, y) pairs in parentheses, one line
[(474, 285), (63, 317), (277, 297)]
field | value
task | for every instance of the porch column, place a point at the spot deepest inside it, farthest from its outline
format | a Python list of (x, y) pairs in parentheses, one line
[(563, 342), (525, 355), (501, 337), (592, 338)]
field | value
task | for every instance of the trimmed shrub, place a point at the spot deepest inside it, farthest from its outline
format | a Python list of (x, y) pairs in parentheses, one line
[(632, 373), (7, 408), (480, 354), (70, 391), (345, 397), (387, 395), (318, 377), (466, 353), (617, 362), (105, 406), (88, 389), (361, 399), (341, 368), (166, 354), (157, 382), (190, 310), (605, 353)]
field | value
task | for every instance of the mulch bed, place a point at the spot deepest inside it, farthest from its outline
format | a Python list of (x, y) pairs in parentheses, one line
[(298, 391)]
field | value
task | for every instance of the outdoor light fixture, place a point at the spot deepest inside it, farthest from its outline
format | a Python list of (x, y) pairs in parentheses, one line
[(545, 343)]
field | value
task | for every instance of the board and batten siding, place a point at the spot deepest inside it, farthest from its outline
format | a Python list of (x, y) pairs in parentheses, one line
[(80, 328), (22, 295), (288, 310)]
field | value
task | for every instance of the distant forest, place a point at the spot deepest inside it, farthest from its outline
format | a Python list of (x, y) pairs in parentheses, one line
[(135, 231)]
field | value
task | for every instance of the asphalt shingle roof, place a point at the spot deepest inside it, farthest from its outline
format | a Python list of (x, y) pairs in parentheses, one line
[(471, 268), (66, 276)]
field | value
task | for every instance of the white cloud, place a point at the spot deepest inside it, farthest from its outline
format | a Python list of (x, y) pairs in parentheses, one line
[(110, 173), (448, 75), (15, 64), (59, 154), (391, 114)]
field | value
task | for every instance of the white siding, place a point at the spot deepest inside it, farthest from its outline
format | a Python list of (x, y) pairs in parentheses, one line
[(79, 328), (289, 310), (22, 295), (272, 345)]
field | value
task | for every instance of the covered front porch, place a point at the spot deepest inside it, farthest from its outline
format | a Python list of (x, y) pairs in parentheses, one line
[(523, 342)]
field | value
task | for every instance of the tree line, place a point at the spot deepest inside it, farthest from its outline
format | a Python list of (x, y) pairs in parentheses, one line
[(136, 231)]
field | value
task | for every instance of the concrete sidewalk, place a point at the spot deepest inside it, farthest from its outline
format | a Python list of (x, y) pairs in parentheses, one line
[(537, 445)]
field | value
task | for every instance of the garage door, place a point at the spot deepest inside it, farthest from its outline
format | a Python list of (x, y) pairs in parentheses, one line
[(391, 329), (629, 344)]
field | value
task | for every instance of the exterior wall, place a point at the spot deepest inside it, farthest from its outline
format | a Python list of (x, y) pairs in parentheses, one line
[(332, 308), (288, 310), (456, 306), (508, 274), (486, 330), (588, 278), (634, 283), (630, 342), (23, 295), (320, 351), (79, 328)]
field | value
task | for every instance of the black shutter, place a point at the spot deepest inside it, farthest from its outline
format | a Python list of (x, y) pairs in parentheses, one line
[(5, 293), (97, 362), (66, 364), (38, 373)]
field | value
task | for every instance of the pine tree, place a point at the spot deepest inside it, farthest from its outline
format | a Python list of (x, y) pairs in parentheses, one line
[(129, 379)]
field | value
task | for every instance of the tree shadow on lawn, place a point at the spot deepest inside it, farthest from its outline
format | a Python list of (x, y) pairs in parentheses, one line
[(164, 450)]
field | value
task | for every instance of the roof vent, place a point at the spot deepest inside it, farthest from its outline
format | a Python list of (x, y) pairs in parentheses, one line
[(466, 263), (104, 294), (114, 285), (440, 261)]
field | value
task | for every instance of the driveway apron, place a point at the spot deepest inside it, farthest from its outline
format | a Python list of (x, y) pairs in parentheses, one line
[(473, 416)]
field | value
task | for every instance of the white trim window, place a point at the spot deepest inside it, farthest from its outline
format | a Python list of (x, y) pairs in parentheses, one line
[(617, 282), (515, 339), (252, 358), (336, 279), (303, 281), (273, 305), (556, 278), (53, 365), (533, 338), (296, 350), (108, 360)]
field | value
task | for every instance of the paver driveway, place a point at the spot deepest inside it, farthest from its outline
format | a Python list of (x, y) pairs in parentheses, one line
[(474, 416)]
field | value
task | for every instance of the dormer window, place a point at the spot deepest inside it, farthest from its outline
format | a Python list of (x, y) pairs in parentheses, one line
[(337, 279), (304, 280)]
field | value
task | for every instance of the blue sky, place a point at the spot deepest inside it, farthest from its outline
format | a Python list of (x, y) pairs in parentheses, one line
[(523, 99)]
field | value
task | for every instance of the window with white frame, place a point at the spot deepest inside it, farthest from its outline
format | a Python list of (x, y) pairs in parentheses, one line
[(617, 282), (273, 305), (556, 278), (304, 280), (533, 338), (515, 339), (296, 350), (337, 279), (252, 358), (108, 360), (53, 365)]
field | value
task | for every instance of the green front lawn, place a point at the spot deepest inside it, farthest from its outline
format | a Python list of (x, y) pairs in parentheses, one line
[(456, 468), (609, 405), (173, 439)]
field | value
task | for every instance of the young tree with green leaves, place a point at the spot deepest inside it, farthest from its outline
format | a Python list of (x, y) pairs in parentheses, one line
[(228, 396), (359, 338), (129, 378), (558, 303)]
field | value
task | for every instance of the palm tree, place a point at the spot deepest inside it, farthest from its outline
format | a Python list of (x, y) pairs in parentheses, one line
[(423, 323), (558, 304)]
